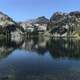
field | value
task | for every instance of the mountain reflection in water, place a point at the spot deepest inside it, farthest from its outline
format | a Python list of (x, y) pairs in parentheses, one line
[(69, 48), (40, 58)]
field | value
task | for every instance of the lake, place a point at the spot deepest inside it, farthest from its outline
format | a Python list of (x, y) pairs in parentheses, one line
[(40, 59)]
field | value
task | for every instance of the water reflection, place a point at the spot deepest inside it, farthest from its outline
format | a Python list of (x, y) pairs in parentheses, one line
[(40, 58), (7, 46), (35, 44), (64, 48), (57, 48)]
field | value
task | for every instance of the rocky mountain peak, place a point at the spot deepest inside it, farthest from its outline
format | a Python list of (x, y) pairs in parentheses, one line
[(4, 16), (5, 20), (57, 16), (42, 19), (75, 13)]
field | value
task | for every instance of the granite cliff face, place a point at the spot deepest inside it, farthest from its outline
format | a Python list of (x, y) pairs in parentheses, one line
[(6, 21), (62, 24), (42, 20), (8, 27), (39, 23), (65, 23)]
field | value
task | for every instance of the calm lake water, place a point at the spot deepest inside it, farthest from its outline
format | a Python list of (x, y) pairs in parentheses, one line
[(40, 59)]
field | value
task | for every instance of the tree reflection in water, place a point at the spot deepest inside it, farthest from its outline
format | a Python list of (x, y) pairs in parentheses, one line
[(7, 46), (64, 48), (57, 48)]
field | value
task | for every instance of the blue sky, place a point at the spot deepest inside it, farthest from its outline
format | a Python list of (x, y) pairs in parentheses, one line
[(21, 10)]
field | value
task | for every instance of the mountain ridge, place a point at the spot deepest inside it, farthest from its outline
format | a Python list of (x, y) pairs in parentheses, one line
[(59, 22)]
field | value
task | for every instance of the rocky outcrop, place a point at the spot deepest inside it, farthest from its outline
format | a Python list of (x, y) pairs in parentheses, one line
[(8, 26), (17, 35), (57, 17), (6, 22), (39, 23), (42, 20), (62, 23), (59, 24)]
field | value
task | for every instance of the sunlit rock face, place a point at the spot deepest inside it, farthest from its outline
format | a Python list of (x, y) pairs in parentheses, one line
[(65, 22), (6, 22), (8, 27), (42, 20), (17, 36), (39, 23), (57, 16), (25, 25)]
